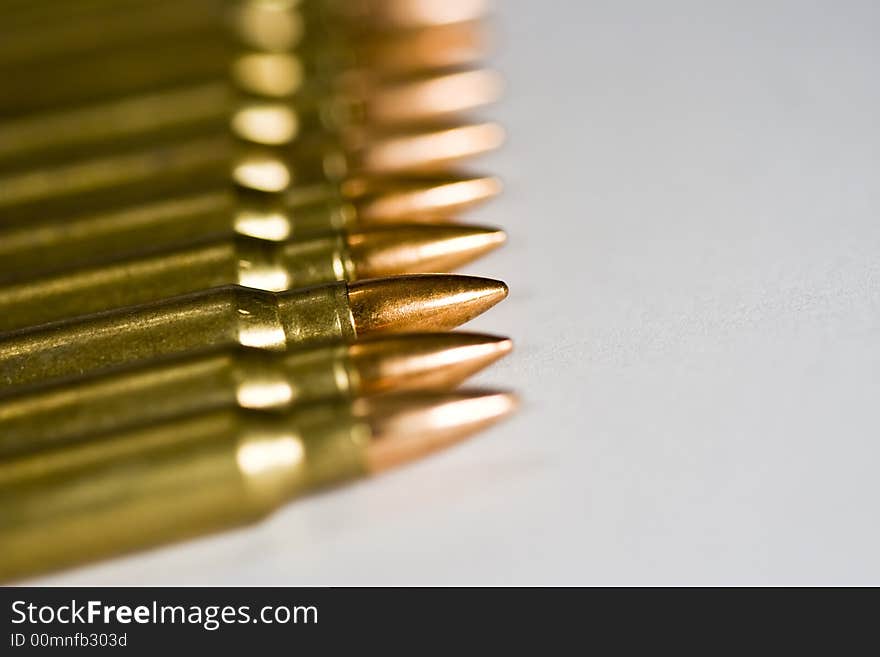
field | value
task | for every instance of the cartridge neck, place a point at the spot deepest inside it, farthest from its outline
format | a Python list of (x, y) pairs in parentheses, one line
[(330, 215), (282, 457), (260, 265), (258, 319), (279, 266), (267, 381), (169, 481), (325, 373), (321, 158), (300, 211), (317, 260), (316, 315)]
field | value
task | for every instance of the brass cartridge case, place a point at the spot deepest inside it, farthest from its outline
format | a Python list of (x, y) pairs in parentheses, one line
[(247, 261), (48, 31), (282, 105), (250, 262), (183, 50), (34, 246), (214, 318), (401, 13), (48, 416), (37, 31), (384, 14), (201, 161), (269, 55), (431, 149), (142, 487), (205, 161), (428, 149), (168, 482), (128, 68), (247, 378)]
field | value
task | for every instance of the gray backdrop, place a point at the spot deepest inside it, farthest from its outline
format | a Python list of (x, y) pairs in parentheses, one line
[(694, 216)]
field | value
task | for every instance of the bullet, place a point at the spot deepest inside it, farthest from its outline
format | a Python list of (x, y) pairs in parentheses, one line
[(203, 52), (427, 48), (361, 152), (66, 30), (182, 52), (331, 104), (48, 417), (417, 198), (247, 261), (105, 181), (207, 472), (362, 103), (429, 150), (382, 56), (401, 13), (225, 317), (36, 136), (429, 97), (47, 244), (382, 52), (342, 14), (205, 161)]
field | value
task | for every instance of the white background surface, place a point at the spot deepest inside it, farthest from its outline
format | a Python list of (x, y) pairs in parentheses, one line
[(694, 213)]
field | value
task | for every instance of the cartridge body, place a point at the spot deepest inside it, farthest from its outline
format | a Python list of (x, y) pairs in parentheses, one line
[(246, 261), (244, 378), (168, 482), (202, 160), (215, 318), (35, 247)]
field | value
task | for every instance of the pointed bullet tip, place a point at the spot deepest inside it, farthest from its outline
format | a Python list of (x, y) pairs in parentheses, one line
[(493, 183), (433, 96), (414, 13), (408, 427), (420, 198), (423, 361), (503, 345), (425, 302), (495, 236), (419, 248), (434, 47), (430, 150)]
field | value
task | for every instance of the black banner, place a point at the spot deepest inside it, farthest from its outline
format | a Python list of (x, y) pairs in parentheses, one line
[(144, 620), (136, 621)]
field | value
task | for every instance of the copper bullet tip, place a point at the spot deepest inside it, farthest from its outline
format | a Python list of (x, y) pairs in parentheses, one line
[(423, 361), (430, 150), (433, 96), (419, 198), (421, 302), (429, 47), (413, 13), (405, 428), (407, 249)]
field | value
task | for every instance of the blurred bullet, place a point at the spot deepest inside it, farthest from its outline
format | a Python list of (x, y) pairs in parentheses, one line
[(251, 262), (209, 471), (47, 417), (207, 160)]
